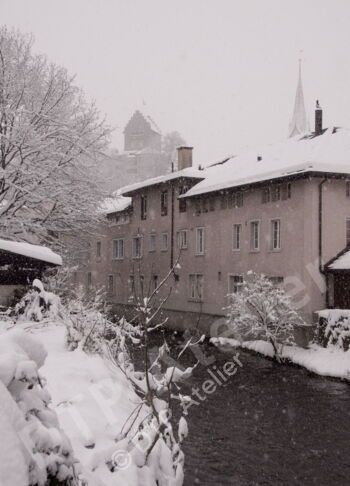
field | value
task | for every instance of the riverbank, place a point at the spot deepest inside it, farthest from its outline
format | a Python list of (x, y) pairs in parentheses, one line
[(330, 362)]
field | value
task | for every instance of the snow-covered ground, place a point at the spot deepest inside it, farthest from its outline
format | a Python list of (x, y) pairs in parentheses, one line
[(329, 361), (92, 400)]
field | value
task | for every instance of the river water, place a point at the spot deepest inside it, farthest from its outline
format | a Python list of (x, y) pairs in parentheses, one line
[(269, 424)]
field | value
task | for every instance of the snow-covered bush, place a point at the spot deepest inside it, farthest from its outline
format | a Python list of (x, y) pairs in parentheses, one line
[(334, 328), (262, 310), (33, 448), (38, 304)]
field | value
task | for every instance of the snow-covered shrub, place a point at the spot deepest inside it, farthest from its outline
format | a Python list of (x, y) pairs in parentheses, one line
[(33, 448), (60, 282), (334, 328), (38, 304), (87, 324), (262, 310)]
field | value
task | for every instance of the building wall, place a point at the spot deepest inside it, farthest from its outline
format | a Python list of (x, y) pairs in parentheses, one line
[(297, 260)]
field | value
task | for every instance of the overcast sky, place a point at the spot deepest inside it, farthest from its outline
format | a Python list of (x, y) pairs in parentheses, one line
[(221, 72)]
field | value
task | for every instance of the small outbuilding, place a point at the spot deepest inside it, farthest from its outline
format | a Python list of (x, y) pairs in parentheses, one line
[(20, 264), (337, 271)]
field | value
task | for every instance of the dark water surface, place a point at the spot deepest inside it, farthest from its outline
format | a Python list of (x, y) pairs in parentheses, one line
[(269, 424)]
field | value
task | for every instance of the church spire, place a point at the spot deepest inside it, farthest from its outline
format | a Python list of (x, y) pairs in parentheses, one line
[(299, 123)]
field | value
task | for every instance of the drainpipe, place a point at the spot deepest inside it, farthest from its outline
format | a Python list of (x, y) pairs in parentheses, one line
[(172, 220), (172, 226), (320, 235)]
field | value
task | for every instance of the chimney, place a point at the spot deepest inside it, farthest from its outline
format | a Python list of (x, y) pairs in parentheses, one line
[(184, 157), (318, 119)]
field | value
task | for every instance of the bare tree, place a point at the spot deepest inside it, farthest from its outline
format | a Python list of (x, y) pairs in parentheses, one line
[(51, 140)]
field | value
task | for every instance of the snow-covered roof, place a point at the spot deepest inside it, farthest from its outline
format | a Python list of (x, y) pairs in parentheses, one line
[(329, 152), (31, 251), (342, 262), (115, 203), (189, 172)]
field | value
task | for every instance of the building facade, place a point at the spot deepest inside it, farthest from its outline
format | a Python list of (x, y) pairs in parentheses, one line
[(275, 213)]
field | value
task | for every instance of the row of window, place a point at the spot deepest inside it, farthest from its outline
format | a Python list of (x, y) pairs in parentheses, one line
[(227, 200), (182, 240), (195, 287), (137, 244)]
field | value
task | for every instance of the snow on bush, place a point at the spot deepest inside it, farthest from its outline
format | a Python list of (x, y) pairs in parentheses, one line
[(262, 310), (38, 304), (334, 328), (32, 446)]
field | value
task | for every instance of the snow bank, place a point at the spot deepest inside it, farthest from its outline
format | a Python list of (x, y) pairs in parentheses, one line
[(32, 251), (93, 400), (329, 361)]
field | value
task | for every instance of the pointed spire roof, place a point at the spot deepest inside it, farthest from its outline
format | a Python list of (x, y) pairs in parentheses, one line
[(299, 123)]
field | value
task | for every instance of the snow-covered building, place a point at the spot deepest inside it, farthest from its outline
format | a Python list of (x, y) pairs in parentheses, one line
[(20, 264), (283, 210)]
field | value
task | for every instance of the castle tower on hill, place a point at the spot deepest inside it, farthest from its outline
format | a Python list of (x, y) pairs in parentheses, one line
[(141, 132), (142, 157)]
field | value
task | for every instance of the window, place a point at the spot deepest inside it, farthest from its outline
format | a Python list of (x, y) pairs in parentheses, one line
[(254, 235), (276, 281), (152, 242), (164, 203), (347, 231), (110, 287), (98, 249), (182, 239), (89, 280), (137, 247), (239, 200), (235, 283), (266, 195), (211, 204), (286, 190), (235, 200), (182, 202), (237, 231), (197, 207), (155, 281), (196, 287), (205, 205), (223, 201), (122, 218), (275, 234), (347, 188), (275, 193), (164, 241), (144, 207), (131, 283), (118, 249), (199, 241)]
